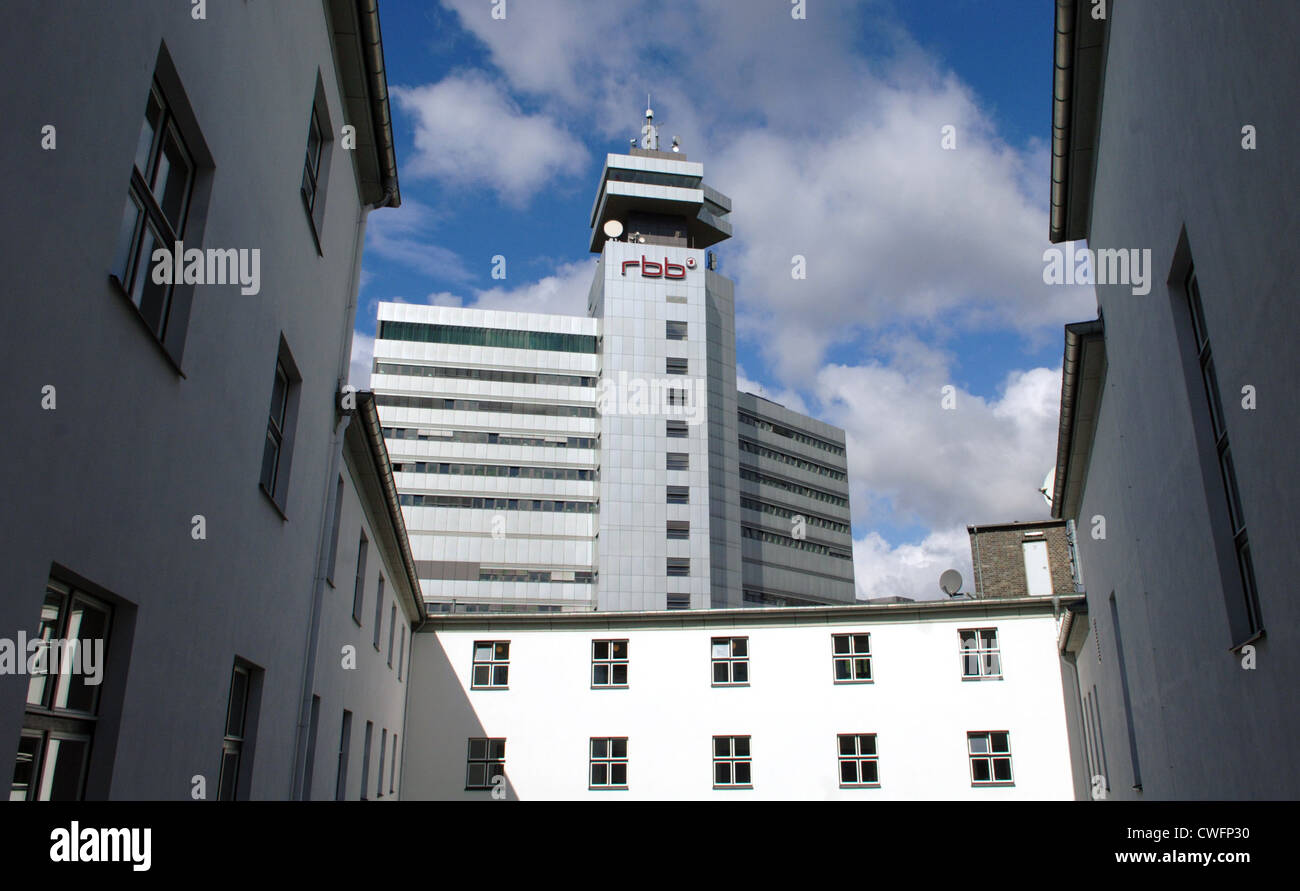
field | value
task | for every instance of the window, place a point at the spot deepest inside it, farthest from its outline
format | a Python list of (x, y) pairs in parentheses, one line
[(852, 657), (679, 495), (392, 630), (679, 529), (63, 697), (359, 587), (730, 661), (675, 330), (157, 204), (379, 616), (677, 395), (677, 430), (679, 566), (421, 332), (365, 760), (732, 765), (316, 164), (980, 657), (486, 764), (279, 429), (858, 760), (383, 751), (608, 763), (990, 757), (232, 746), (679, 461), (609, 663), (1245, 620), (334, 531), (679, 601), (345, 742), (491, 668), (312, 727), (676, 366), (392, 770), (401, 655)]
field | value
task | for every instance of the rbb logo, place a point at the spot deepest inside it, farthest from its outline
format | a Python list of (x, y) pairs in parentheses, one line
[(651, 269)]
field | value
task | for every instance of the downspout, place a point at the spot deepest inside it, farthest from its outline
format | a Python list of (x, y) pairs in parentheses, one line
[(979, 564)]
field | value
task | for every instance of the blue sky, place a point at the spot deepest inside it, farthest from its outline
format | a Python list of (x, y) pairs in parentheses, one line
[(924, 264)]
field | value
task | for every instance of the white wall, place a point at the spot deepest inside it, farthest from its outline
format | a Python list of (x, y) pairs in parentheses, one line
[(918, 706)]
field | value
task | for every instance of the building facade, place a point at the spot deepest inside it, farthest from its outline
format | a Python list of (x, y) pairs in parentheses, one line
[(956, 700), (614, 464), (1178, 422), (177, 444), (1023, 559)]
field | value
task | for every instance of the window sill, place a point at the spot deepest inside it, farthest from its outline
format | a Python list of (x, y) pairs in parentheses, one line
[(859, 785), (983, 678), (153, 337), (609, 686), (1237, 648), (986, 785), (487, 689), (854, 683), (607, 788), (744, 684), (275, 504), (728, 788)]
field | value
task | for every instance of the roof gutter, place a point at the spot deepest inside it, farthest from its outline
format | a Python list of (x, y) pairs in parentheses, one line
[(372, 54), (1071, 366), (368, 416), (1062, 111)]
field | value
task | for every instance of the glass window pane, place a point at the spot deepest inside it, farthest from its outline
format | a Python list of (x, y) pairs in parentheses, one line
[(477, 775), (1002, 769), (483, 652), (228, 779), (841, 643), (270, 460), (846, 744), (618, 774), (620, 675), (740, 746), (125, 238), (482, 675), (867, 744), (970, 666), (989, 638), (721, 746), (499, 675), (861, 643), (600, 649), (992, 665), (308, 190), (88, 626), (314, 142), (967, 639), (742, 773), (495, 770), (599, 774), (842, 670), (235, 710), (980, 770), (172, 181), (721, 649), (40, 687), (478, 749), (618, 748), (722, 773), (720, 675), (740, 672), (279, 396), (503, 650), (600, 748), (619, 649), (29, 750), (739, 646), (151, 298), (144, 145), (870, 772), (862, 669), (1001, 742), (848, 771), (979, 744), (600, 675), (497, 749), (63, 769)]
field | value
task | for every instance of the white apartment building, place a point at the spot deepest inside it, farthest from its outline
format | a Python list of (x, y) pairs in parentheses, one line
[(607, 462), (957, 700)]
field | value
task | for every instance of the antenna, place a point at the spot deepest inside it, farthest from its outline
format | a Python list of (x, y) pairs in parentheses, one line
[(950, 582), (613, 228)]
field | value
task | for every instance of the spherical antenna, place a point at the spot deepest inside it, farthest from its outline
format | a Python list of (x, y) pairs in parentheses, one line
[(950, 582), (613, 228)]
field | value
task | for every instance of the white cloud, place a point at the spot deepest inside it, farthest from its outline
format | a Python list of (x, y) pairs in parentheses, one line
[(563, 292), (911, 570), (468, 131), (401, 235)]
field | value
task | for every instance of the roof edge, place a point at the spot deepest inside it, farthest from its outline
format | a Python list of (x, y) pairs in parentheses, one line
[(1071, 375)]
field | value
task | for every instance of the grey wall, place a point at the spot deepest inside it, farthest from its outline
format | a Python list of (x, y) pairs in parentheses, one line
[(106, 484), (1182, 79)]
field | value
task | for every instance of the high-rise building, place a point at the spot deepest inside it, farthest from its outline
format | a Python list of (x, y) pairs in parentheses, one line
[(554, 462)]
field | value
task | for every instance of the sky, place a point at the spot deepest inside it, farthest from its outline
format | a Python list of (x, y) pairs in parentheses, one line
[(923, 263)]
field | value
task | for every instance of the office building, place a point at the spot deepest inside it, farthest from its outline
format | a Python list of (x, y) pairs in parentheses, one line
[(559, 463), (1173, 132)]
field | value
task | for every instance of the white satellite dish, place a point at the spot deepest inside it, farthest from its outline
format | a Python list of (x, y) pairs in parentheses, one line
[(950, 582), (1048, 488), (613, 228)]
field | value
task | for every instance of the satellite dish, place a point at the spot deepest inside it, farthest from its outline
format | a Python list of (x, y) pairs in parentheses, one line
[(613, 228), (1048, 488), (950, 582), (640, 239)]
